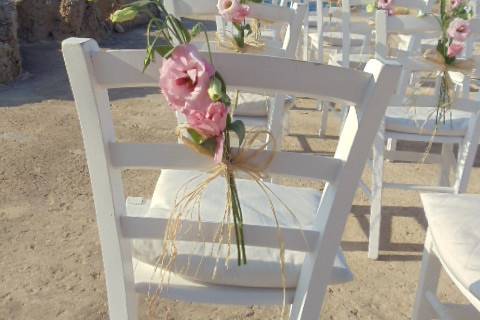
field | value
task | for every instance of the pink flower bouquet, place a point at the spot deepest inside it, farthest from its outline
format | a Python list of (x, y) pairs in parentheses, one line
[(193, 88), (455, 31)]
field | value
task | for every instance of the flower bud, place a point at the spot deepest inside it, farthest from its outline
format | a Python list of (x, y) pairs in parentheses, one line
[(215, 91), (123, 15), (370, 8)]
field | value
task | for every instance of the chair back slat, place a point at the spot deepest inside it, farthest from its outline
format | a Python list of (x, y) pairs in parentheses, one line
[(255, 235), (180, 157), (293, 16), (194, 8), (123, 68)]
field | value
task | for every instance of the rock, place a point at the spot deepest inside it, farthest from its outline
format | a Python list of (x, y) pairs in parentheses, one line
[(10, 61), (59, 19)]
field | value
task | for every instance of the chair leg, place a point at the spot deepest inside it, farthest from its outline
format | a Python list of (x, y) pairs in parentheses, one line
[(324, 106), (446, 164), (428, 283), (376, 196)]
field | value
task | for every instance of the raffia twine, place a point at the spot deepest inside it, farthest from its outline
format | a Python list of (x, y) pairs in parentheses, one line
[(248, 160)]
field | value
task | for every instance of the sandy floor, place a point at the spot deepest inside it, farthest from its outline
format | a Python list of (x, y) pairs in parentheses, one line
[(51, 265)]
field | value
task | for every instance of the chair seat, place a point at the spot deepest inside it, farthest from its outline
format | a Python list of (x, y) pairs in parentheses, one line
[(422, 121), (263, 267), (454, 224)]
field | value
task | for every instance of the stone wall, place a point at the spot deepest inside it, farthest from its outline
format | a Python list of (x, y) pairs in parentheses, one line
[(10, 62), (59, 19)]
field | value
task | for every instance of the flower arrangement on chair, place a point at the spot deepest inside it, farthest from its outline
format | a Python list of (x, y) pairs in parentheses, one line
[(193, 88), (455, 30)]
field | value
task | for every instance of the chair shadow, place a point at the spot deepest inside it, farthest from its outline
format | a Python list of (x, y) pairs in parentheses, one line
[(407, 251)]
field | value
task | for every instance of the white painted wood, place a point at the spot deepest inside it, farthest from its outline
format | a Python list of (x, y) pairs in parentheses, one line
[(376, 194), (429, 276), (123, 69), (361, 124), (427, 304), (468, 143), (135, 227), (93, 110), (180, 157), (417, 188), (91, 72), (446, 164)]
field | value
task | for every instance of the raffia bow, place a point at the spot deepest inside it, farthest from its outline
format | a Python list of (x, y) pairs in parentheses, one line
[(252, 44), (248, 159), (463, 66)]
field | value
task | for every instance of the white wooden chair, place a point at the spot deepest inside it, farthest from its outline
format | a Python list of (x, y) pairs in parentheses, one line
[(402, 122), (452, 242), (382, 48), (340, 29), (92, 71), (255, 109)]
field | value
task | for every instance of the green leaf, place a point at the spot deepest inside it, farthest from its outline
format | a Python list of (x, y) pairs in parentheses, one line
[(165, 51), (196, 137), (196, 30), (210, 144), (238, 127), (124, 15), (248, 28)]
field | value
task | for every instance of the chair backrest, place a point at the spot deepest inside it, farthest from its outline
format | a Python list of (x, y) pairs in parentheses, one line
[(417, 28), (339, 19), (93, 71), (292, 17)]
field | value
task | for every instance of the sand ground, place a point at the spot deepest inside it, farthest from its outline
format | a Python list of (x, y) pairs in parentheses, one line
[(51, 267)]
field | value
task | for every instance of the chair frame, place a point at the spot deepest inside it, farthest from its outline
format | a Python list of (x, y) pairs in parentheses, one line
[(381, 44), (427, 305), (93, 71), (468, 143), (293, 16)]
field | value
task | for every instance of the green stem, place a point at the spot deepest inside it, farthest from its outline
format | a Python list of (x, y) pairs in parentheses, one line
[(236, 208), (240, 38), (208, 43)]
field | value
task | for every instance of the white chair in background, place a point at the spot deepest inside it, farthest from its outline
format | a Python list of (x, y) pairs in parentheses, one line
[(452, 242), (412, 118), (340, 29), (93, 71), (382, 48), (255, 109)]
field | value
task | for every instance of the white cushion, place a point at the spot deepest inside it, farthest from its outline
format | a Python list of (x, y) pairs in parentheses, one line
[(251, 104), (454, 223), (422, 121), (263, 267)]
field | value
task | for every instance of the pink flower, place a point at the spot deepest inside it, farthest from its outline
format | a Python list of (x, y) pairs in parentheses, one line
[(218, 156), (455, 49), (386, 5), (455, 3), (233, 10), (185, 78), (210, 122), (459, 29)]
